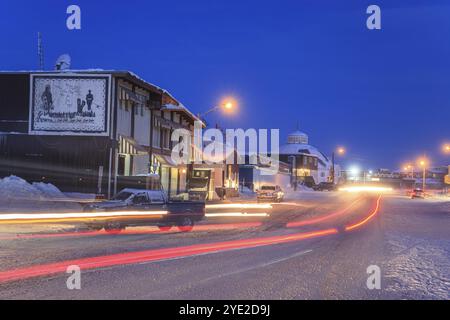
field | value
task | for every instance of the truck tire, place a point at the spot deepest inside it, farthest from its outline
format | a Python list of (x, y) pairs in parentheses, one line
[(113, 227), (94, 227), (165, 228), (186, 224)]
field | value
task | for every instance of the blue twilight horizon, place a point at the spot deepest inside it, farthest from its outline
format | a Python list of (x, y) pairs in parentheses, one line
[(383, 94)]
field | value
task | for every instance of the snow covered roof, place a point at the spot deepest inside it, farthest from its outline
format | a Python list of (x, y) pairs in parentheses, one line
[(297, 137), (297, 133), (181, 107), (299, 149)]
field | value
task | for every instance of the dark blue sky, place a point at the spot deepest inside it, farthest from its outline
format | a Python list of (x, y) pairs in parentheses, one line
[(384, 94)]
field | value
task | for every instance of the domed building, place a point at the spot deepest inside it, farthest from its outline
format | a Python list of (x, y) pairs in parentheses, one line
[(309, 165)]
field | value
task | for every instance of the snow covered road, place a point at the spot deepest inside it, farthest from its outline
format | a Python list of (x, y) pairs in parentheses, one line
[(408, 239)]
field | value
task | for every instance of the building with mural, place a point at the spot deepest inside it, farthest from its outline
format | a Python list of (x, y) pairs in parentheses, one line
[(90, 130)]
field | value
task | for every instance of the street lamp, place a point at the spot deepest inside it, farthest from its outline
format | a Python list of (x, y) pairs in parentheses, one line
[(340, 151), (227, 105), (409, 168), (423, 164), (446, 148)]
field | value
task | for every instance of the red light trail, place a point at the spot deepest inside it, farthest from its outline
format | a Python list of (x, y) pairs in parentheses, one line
[(171, 253), (154, 255), (322, 218), (367, 219), (148, 230)]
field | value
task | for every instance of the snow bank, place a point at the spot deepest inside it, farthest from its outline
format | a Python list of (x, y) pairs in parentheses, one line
[(49, 190), (13, 187)]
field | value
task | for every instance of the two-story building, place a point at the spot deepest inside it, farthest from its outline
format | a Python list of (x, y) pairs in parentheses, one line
[(90, 130)]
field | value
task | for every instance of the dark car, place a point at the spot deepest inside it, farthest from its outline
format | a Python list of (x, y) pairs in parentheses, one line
[(145, 207), (417, 193), (322, 186)]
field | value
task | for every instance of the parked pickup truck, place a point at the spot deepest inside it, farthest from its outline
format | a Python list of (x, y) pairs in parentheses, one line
[(145, 207)]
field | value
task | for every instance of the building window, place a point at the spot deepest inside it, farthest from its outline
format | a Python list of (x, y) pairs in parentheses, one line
[(121, 165)]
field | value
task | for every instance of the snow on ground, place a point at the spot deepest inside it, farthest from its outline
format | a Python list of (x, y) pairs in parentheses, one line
[(420, 267), (417, 243), (305, 193), (49, 190), (13, 187), (16, 194)]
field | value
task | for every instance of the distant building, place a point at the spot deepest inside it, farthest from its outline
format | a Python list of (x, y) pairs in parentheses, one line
[(253, 176), (309, 165)]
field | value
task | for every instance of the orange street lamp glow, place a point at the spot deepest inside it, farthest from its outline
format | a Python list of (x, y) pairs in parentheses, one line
[(423, 163), (228, 104), (341, 150), (446, 148), (407, 167)]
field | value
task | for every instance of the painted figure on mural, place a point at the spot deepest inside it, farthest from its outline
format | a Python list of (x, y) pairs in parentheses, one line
[(47, 99), (89, 99)]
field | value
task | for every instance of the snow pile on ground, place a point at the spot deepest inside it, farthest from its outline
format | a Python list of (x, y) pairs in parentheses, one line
[(13, 187), (421, 268), (49, 190)]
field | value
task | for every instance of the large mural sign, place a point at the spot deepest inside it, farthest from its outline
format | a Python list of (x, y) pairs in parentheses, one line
[(69, 104)]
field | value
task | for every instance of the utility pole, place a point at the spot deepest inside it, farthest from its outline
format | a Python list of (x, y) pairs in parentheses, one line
[(423, 178), (40, 52), (332, 167), (294, 181)]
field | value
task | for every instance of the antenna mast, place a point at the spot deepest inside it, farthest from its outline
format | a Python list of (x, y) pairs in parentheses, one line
[(40, 52)]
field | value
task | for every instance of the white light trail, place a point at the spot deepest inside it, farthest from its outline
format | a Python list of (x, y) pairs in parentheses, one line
[(239, 206), (237, 214), (74, 215), (366, 189)]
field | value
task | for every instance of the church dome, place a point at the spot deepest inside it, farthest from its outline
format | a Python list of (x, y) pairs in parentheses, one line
[(298, 137)]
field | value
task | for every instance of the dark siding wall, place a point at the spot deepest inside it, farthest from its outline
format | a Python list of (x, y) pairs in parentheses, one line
[(14, 102), (70, 163)]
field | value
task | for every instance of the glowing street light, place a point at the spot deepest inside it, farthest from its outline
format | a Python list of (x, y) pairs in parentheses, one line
[(423, 164), (409, 168), (340, 151), (354, 172), (446, 148), (228, 105)]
